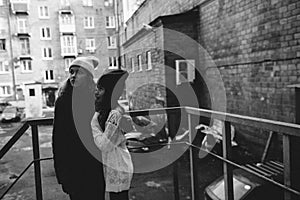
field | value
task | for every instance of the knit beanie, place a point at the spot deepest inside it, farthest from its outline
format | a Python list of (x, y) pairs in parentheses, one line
[(89, 63)]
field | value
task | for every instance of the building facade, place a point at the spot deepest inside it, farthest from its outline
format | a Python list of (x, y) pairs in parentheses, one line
[(254, 46), (46, 36)]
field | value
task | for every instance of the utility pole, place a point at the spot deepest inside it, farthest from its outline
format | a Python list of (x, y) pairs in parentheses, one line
[(118, 34), (11, 62)]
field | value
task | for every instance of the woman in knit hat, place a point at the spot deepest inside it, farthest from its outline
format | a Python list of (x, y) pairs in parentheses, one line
[(77, 170), (108, 130)]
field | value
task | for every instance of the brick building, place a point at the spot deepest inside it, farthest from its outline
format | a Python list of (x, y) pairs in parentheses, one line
[(47, 35), (254, 45)]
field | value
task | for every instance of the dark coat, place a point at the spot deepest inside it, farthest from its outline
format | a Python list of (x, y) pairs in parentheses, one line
[(76, 169)]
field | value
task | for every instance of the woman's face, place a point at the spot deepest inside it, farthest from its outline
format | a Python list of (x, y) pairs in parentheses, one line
[(78, 76), (99, 94)]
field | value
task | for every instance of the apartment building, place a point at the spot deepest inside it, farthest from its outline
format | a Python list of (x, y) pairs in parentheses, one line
[(40, 38)]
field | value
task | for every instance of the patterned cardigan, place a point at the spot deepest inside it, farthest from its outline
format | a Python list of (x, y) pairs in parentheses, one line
[(117, 163)]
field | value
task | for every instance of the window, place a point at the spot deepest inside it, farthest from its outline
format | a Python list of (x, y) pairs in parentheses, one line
[(88, 22), (111, 42), (68, 62), (113, 62), (87, 2), (45, 33), (110, 22), (49, 76), (139, 59), (4, 68), (68, 44), (5, 90), (25, 46), (124, 61), (32, 92), (26, 65), (22, 25), (47, 53), (2, 45), (108, 2), (67, 19), (90, 45), (148, 60), (1, 2), (132, 64), (185, 71), (44, 12)]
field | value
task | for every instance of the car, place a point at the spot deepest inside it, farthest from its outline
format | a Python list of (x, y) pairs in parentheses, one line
[(3, 105), (11, 113), (248, 186)]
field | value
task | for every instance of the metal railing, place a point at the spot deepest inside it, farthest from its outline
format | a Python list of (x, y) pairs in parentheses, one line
[(288, 130), (33, 123)]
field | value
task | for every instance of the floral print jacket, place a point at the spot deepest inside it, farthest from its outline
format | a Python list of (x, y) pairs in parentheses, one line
[(117, 163)]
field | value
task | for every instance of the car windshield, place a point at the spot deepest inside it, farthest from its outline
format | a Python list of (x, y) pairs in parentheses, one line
[(240, 189), (10, 110)]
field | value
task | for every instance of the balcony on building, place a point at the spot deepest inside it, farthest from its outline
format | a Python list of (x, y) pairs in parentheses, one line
[(68, 46), (20, 7), (25, 55), (66, 20)]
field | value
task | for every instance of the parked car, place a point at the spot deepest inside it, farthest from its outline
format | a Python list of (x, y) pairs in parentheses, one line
[(247, 186), (11, 113), (3, 105)]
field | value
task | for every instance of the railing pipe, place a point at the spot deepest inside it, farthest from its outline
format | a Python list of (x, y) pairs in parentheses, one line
[(193, 170), (227, 169), (13, 140), (37, 164)]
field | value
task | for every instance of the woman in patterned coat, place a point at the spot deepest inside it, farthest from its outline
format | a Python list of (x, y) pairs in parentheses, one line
[(108, 131)]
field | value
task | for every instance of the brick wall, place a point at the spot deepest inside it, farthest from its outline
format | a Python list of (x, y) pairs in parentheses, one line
[(255, 46), (143, 86)]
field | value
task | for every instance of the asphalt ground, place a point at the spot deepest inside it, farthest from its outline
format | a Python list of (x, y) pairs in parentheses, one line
[(156, 185)]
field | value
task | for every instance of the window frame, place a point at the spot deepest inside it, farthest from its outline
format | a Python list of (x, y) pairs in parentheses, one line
[(2, 44), (23, 67), (48, 54), (43, 10), (4, 65), (8, 90), (45, 33), (88, 22), (25, 46), (49, 77), (88, 42), (139, 63), (110, 22), (190, 72), (87, 3), (113, 60), (132, 64), (67, 62), (149, 61), (111, 42), (24, 23)]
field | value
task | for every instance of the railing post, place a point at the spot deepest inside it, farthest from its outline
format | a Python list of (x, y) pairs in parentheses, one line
[(172, 130), (287, 165), (291, 149), (227, 169), (193, 170), (37, 164)]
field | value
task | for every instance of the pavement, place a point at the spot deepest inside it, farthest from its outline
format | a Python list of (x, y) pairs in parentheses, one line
[(156, 185)]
